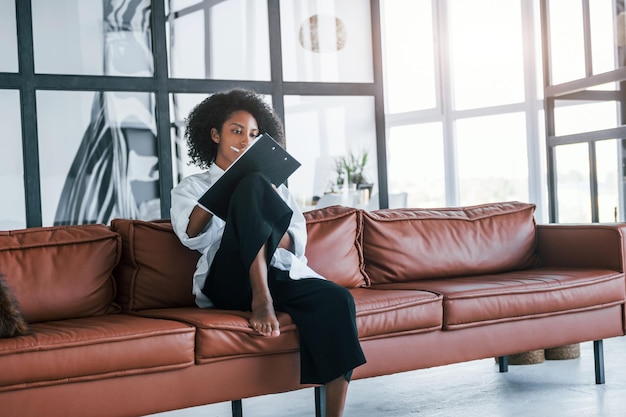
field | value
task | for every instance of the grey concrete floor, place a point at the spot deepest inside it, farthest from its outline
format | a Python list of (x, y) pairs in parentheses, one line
[(552, 388)]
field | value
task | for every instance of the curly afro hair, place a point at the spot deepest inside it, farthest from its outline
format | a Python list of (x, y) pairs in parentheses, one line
[(213, 112)]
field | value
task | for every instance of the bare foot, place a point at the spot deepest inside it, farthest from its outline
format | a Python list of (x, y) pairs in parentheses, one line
[(264, 321)]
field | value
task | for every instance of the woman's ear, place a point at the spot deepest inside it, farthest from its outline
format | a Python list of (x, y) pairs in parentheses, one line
[(215, 136)]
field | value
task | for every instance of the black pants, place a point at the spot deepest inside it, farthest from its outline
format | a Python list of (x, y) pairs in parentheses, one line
[(323, 311)]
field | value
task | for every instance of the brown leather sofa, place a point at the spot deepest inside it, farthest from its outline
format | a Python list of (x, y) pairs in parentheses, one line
[(114, 329)]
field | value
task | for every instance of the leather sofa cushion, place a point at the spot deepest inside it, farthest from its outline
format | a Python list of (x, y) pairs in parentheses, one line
[(382, 313), (334, 245), (521, 295), (61, 272), (155, 269), (224, 334), (93, 348), (401, 245)]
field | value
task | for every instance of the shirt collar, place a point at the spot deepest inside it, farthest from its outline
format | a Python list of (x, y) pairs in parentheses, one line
[(215, 172)]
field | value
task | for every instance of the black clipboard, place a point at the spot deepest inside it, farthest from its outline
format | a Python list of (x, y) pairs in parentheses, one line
[(265, 155)]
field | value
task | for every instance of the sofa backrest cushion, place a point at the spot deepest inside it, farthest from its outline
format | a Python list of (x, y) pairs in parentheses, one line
[(155, 270), (61, 272), (409, 244), (334, 245)]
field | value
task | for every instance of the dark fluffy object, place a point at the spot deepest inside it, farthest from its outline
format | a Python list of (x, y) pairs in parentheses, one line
[(12, 322)]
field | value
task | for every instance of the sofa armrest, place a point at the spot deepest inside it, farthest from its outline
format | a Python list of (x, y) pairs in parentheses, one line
[(582, 245)]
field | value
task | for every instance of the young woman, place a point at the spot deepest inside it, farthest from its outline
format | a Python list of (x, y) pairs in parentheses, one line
[(254, 259)]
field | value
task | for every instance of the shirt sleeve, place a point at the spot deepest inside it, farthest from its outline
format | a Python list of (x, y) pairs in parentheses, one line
[(296, 262), (297, 226), (184, 198)]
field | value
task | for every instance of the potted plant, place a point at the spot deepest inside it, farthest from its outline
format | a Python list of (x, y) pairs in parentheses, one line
[(350, 169)]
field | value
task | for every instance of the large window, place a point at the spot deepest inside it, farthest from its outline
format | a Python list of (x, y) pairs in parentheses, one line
[(585, 97), (94, 105), (463, 112), (462, 120)]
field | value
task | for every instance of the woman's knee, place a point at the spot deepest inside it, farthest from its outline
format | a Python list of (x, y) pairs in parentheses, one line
[(253, 186), (339, 295)]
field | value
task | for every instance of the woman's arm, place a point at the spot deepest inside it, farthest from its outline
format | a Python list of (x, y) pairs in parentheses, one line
[(198, 219), (196, 228), (294, 239), (286, 242)]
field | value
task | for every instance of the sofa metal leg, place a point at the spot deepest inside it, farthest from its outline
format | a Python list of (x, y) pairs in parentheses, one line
[(320, 401), (598, 359), (503, 363), (237, 408)]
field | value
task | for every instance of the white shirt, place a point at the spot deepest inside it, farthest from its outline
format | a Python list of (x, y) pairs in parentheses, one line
[(185, 197)]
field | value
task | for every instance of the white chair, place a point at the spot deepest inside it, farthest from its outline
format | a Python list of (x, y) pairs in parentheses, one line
[(396, 200)]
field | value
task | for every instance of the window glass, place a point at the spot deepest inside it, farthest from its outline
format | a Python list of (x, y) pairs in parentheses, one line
[(415, 164), (613, 86), (409, 60), (184, 31), (177, 5), (538, 64), (603, 35), (538, 171), (13, 209), (180, 107), (326, 41), (92, 37), (8, 34), (492, 158), (607, 162), (584, 117), (620, 32), (98, 156), (486, 52), (572, 176), (567, 49), (319, 130), (226, 40)]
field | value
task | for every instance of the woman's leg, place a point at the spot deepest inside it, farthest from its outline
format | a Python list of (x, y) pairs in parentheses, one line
[(325, 316), (336, 392), (257, 220), (263, 318)]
